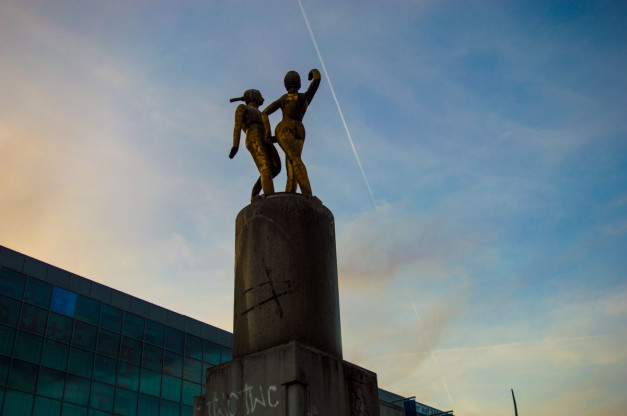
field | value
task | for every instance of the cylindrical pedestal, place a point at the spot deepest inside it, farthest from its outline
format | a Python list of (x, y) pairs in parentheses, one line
[(285, 276)]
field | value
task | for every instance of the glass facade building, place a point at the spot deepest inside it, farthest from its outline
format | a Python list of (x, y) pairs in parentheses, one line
[(71, 346)]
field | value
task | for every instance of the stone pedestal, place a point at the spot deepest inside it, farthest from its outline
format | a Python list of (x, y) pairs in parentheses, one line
[(289, 380), (287, 347), (286, 276)]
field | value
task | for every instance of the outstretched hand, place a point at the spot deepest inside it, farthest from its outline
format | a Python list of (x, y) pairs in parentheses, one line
[(314, 73), (233, 152)]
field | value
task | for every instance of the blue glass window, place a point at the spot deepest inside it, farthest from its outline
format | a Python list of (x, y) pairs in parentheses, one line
[(77, 390), (171, 388), (33, 319), (51, 383), (63, 302), (84, 335), (150, 382), (193, 347), (172, 364), (102, 396), (59, 327), (211, 353), (23, 376), (81, 362), (55, 354), (105, 369), (148, 406), (125, 402), (9, 311), (7, 337), (5, 363), (28, 347), (189, 391), (108, 343), (111, 318), (38, 293), (12, 283), (187, 410), (174, 339), (227, 354), (192, 370), (73, 410), (17, 403), (133, 326), (46, 407), (128, 376), (88, 310), (131, 350), (170, 408), (155, 333), (152, 357)]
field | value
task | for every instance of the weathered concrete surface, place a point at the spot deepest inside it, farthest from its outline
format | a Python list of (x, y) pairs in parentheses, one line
[(289, 380), (285, 276)]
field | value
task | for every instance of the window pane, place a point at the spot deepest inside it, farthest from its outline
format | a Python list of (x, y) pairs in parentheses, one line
[(148, 406), (128, 376), (105, 369), (192, 370), (187, 411), (63, 302), (174, 339), (131, 350), (189, 391), (55, 354), (172, 364), (84, 335), (211, 353), (23, 376), (193, 346), (33, 319), (111, 318), (12, 283), (46, 407), (9, 311), (88, 310), (170, 409), (108, 343), (59, 327), (51, 383), (17, 403), (155, 333), (7, 337), (77, 390), (150, 382), (28, 347), (81, 362), (5, 363), (125, 402), (227, 354), (171, 388), (38, 292), (133, 325), (152, 357), (102, 396), (73, 410)]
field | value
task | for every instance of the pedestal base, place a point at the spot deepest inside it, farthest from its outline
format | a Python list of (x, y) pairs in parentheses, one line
[(289, 380)]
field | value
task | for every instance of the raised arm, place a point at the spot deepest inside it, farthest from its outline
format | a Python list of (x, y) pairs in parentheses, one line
[(237, 129), (314, 77)]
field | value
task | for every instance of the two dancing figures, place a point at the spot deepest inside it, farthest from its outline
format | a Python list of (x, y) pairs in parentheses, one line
[(289, 133)]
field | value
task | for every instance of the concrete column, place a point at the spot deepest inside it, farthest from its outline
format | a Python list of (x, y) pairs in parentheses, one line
[(285, 276)]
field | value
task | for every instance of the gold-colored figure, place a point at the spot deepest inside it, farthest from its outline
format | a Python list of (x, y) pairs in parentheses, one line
[(290, 132), (248, 118)]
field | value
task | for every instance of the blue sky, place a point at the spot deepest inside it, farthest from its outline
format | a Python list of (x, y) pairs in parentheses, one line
[(493, 135)]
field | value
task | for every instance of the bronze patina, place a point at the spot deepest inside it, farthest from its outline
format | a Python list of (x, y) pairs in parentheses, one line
[(248, 118), (290, 132)]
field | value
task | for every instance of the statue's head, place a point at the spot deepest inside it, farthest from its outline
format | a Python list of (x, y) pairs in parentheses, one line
[(292, 81), (253, 96)]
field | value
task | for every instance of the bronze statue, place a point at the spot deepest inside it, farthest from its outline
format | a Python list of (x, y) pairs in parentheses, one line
[(290, 132), (248, 118)]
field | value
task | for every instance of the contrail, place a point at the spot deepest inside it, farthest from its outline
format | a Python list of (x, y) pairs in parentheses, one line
[(348, 133)]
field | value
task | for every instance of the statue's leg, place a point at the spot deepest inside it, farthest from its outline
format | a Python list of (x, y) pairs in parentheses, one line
[(295, 166), (258, 151), (256, 189), (291, 184)]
